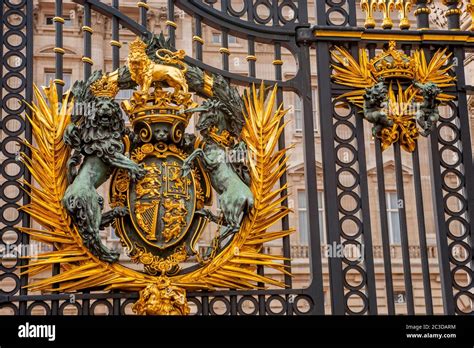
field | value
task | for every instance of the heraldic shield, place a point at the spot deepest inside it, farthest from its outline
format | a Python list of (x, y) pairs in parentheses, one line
[(163, 202), (161, 227), (161, 221)]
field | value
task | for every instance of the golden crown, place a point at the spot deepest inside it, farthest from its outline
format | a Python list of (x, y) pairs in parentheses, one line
[(159, 106), (105, 87), (392, 63), (137, 46)]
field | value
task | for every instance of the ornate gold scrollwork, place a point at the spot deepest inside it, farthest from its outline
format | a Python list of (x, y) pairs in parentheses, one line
[(158, 265), (162, 298)]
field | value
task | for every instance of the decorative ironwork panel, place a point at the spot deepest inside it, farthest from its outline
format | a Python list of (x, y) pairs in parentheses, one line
[(15, 50)]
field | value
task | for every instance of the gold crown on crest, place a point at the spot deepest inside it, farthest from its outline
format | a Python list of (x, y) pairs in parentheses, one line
[(104, 87), (392, 63), (159, 106)]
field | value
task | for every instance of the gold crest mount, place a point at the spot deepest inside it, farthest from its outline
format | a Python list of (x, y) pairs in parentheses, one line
[(404, 100), (393, 64)]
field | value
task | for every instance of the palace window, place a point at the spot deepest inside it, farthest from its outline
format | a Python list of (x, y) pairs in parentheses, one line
[(298, 112), (50, 75), (67, 21), (393, 218), (217, 38), (303, 218)]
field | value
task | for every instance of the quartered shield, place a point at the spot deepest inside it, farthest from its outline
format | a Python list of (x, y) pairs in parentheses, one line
[(162, 204)]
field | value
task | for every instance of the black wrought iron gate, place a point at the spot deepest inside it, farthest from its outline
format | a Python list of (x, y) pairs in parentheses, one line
[(285, 25)]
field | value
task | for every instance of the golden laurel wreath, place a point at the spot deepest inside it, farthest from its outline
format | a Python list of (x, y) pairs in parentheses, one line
[(234, 267)]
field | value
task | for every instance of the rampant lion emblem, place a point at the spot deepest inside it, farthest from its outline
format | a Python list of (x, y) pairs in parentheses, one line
[(97, 140)]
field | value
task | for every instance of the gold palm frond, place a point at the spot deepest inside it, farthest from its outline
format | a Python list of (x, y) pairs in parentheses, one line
[(349, 72), (46, 164), (48, 167), (234, 267), (436, 71)]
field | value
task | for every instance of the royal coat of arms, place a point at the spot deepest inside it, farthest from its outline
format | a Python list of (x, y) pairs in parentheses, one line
[(162, 180)]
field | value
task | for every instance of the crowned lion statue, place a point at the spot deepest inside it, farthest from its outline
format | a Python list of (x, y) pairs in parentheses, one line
[(146, 72)]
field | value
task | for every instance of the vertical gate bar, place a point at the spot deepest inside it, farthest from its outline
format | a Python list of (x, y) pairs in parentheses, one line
[(171, 24), (316, 268), (224, 6), (379, 163), (283, 179), (198, 40), (261, 298), (26, 220), (233, 305), (303, 12), (387, 255), (422, 14), (403, 229), (274, 11), (365, 206), (330, 184), (383, 216), (251, 58), (425, 267), (467, 155), (205, 305), (143, 12), (86, 303), (250, 15), (352, 13), (251, 66), (453, 13), (87, 32), (285, 222), (441, 228), (225, 65), (225, 49), (58, 23), (116, 303), (329, 172), (115, 39), (321, 12)]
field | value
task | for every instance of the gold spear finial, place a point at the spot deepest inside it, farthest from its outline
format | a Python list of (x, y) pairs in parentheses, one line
[(386, 7), (404, 8), (369, 7)]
